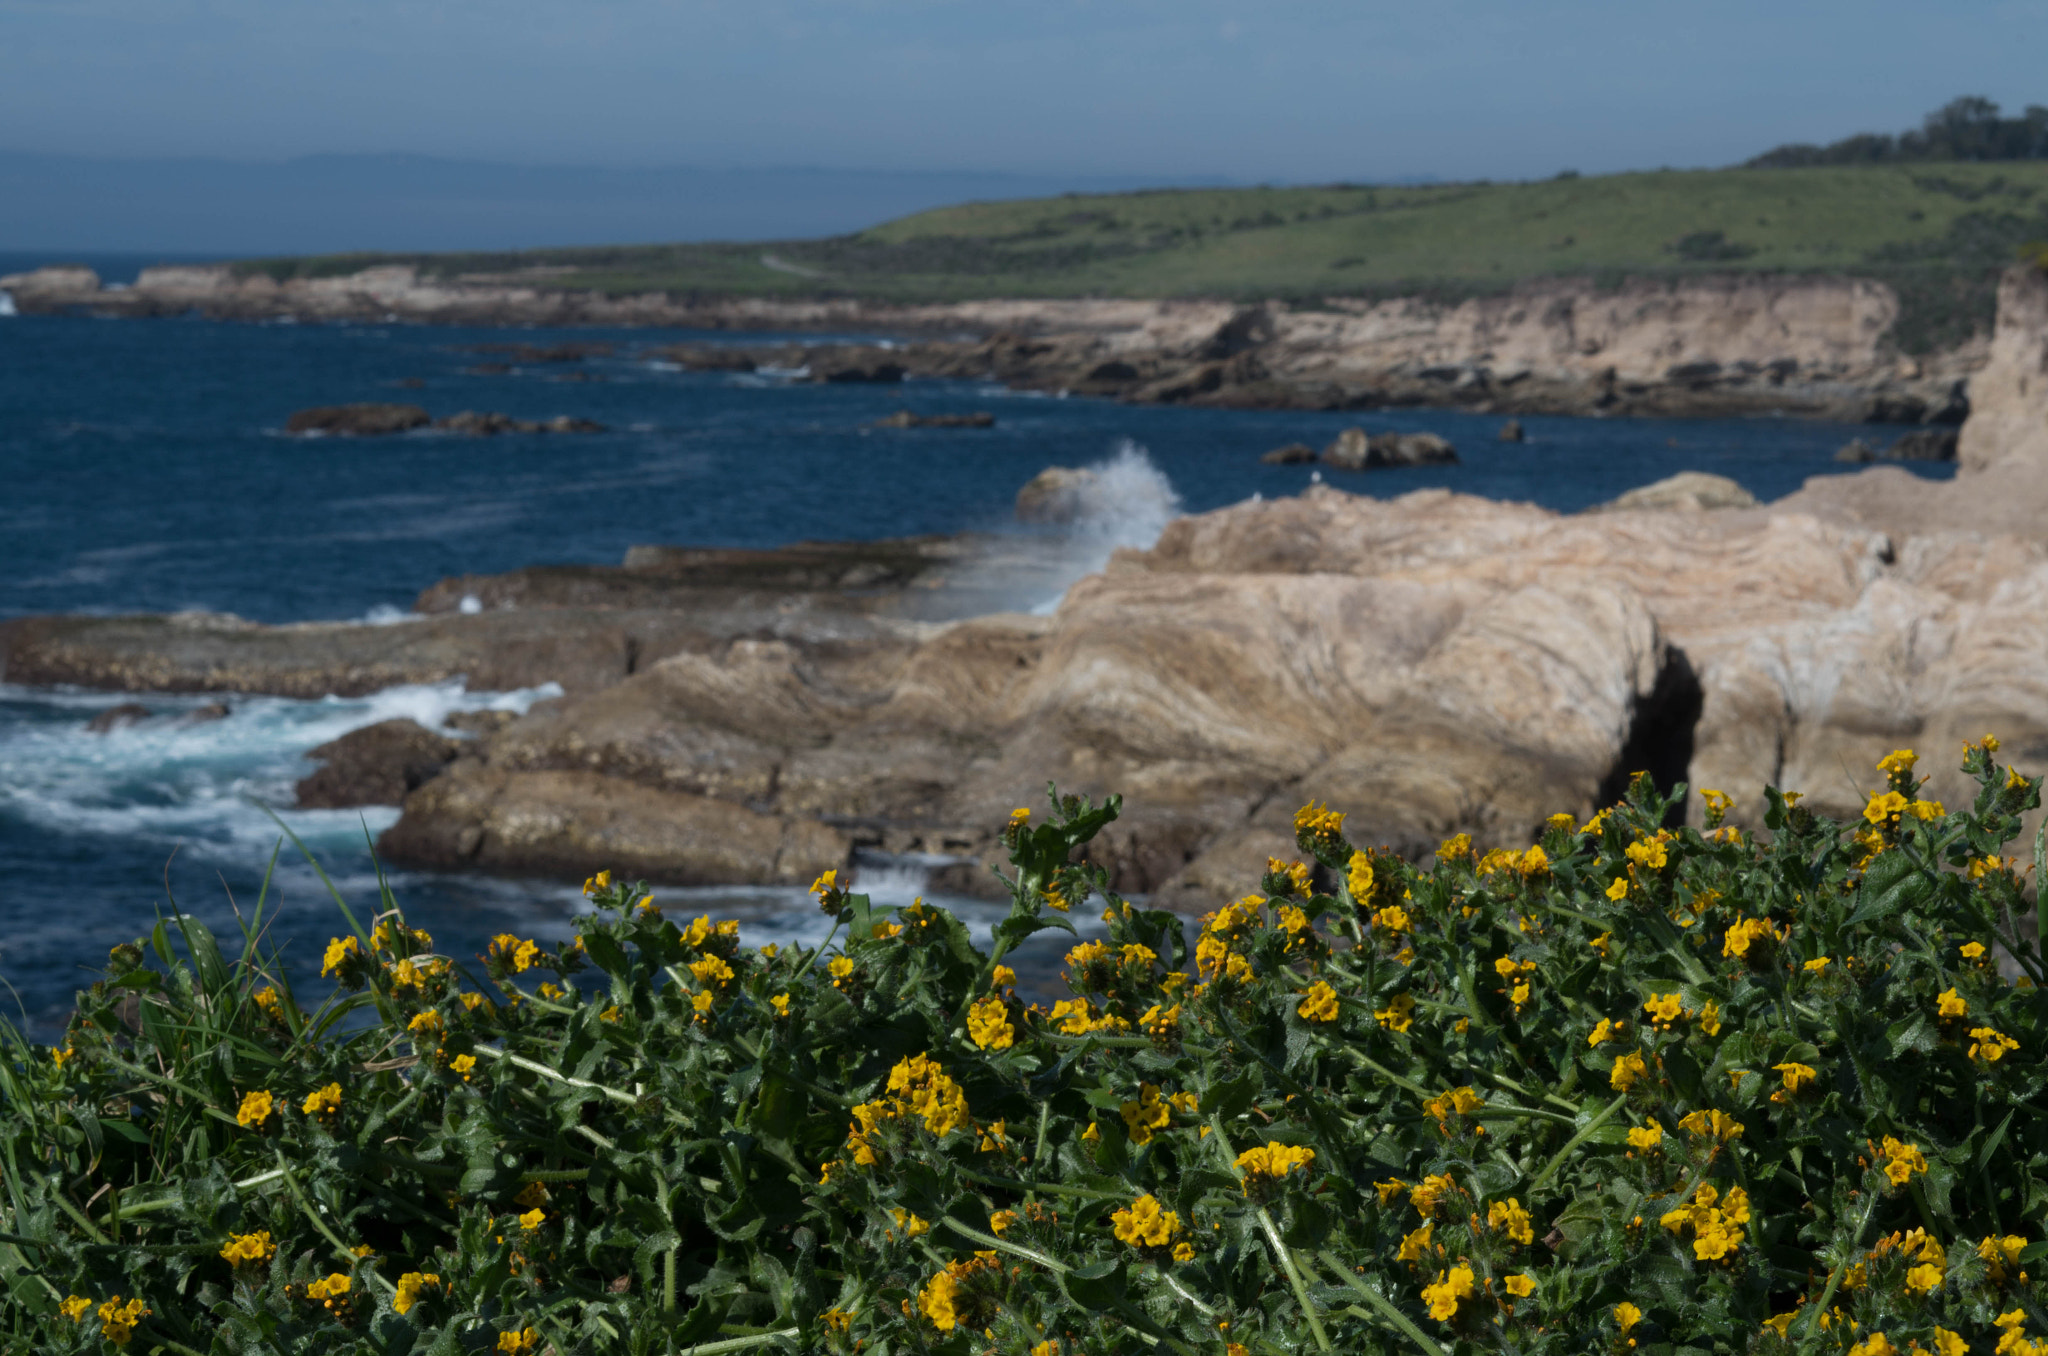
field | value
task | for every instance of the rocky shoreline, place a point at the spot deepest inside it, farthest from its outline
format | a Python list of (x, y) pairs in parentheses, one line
[(1434, 663), (1710, 346)]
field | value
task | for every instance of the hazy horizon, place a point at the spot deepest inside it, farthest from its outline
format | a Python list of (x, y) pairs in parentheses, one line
[(704, 119)]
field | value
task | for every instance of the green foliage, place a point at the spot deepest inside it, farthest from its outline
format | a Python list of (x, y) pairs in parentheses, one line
[(1631, 1088)]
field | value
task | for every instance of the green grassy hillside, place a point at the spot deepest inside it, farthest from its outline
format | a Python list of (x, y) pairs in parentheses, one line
[(1938, 231)]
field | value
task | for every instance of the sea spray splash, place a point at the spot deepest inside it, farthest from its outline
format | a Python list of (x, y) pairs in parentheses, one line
[(1125, 501)]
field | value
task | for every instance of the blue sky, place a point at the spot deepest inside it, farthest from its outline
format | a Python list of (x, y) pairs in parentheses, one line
[(1282, 91)]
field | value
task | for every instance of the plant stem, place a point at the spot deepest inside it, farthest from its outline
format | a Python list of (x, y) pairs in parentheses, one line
[(1575, 1141)]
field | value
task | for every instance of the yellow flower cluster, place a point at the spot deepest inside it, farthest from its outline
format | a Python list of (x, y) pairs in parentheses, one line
[(1318, 1003), (1902, 1160), (255, 1110), (1398, 1014), (1144, 1223), (944, 1299), (1450, 1288), (323, 1101), (1318, 826), (917, 1087), (988, 1024), (1268, 1163), (332, 1292), (340, 952), (1989, 1045), (1510, 1218), (519, 1342), (118, 1321), (1516, 974), (512, 953), (1077, 1017), (414, 1286), (1711, 1124), (1627, 1070), (1456, 1102), (249, 1249), (1745, 933), (1648, 1138), (2002, 1256), (1715, 1220)]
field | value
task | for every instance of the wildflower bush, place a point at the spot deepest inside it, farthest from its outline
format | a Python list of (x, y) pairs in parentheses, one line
[(1632, 1088)]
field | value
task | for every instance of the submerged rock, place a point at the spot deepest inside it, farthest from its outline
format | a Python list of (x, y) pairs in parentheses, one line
[(1294, 454), (907, 419), (365, 420), (1511, 432), (1353, 450), (117, 718)]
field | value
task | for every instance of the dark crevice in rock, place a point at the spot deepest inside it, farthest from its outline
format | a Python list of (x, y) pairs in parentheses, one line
[(1660, 738)]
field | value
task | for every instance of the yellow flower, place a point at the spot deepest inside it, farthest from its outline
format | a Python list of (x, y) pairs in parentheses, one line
[(118, 1320), (1398, 1014), (533, 1218), (1647, 1139), (1360, 877), (1797, 1076), (1534, 862), (1885, 808), (1393, 918), (1903, 1160), (1149, 1113), (1451, 1286), (1000, 1221), (249, 1249), (1603, 1032), (1626, 1315), (255, 1110), (711, 971), (1627, 1069), (1415, 1246), (1389, 1189), (1144, 1223), (935, 1302), (1600, 943), (75, 1308), (1898, 763), (326, 1101), (1973, 950), (1742, 934), (411, 1287), (464, 1065), (1520, 1286), (601, 881), (841, 970), (1874, 1345), (1664, 1009), (340, 952), (1618, 889), (1319, 1003), (988, 1025), (1271, 1162), (1431, 1190), (1818, 964), (1712, 1124), (1455, 847), (1947, 1343), (1509, 1217), (1990, 1045), (1457, 1102), (913, 1226), (1648, 854), (1710, 1018), (1314, 823), (524, 1342)]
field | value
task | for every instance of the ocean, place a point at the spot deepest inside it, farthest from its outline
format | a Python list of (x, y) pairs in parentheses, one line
[(145, 469)]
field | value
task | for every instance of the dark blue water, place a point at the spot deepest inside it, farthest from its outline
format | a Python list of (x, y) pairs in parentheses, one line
[(144, 470)]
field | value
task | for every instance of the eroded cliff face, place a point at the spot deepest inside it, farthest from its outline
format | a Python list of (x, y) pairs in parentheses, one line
[(2011, 427), (1710, 345)]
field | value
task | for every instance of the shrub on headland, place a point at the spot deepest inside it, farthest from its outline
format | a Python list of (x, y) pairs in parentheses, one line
[(1633, 1088)]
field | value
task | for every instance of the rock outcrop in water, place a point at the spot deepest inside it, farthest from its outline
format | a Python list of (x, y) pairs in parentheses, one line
[(1714, 345)]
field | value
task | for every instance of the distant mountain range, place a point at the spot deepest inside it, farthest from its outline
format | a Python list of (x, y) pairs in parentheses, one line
[(334, 203)]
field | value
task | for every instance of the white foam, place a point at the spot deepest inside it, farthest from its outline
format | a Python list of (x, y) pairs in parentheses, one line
[(1128, 503), (384, 614), (170, 780), (7, 303)]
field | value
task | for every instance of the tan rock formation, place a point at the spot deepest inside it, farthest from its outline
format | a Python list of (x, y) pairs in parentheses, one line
[(2009, 420)]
